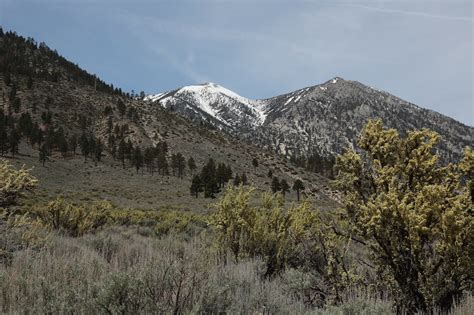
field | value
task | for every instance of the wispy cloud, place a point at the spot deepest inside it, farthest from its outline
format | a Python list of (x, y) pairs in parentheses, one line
[(413, 13)]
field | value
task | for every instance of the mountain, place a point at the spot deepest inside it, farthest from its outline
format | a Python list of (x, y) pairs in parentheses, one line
[(214, 103), (41, 90), (321, 120)]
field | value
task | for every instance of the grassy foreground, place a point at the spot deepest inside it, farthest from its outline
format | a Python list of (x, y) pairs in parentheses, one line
[(130, 270)]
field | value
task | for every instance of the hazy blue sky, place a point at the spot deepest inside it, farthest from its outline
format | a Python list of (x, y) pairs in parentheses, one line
[(421, 51)]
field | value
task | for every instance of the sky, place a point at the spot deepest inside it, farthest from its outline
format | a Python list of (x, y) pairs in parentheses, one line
[(418, 50)]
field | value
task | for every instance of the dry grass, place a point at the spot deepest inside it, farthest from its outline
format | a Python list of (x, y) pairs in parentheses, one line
[(125, 270)]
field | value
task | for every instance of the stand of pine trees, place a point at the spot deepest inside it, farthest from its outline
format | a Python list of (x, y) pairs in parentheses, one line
[(25, 57), (211, 179)]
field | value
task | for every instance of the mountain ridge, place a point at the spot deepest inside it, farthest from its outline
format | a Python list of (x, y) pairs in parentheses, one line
[(305, 122)]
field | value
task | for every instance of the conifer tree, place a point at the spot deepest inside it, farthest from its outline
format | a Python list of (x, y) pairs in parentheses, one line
[(209, 180), (43, 154), (29, 82), (73, 143), (270, 173), (174, 163), (181, 164), (4, 145), (191, 165), (149, 159), (196, 186), (121, 107), (221, 174), (129, 151), (298, 187), (16, 105), (162, 163), (63, 145), (284, 187), (228, 173), (237, 180), (85, 147), (137, 158), (243, 179), (275, 184), (99, 147), (14, 141), (121, 152), (255, 163)]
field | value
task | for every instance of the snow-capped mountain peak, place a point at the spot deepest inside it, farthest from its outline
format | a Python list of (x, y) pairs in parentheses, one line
[(214, 102)]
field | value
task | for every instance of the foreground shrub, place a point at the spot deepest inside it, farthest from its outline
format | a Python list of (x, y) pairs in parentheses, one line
[(415, 215), (73, 219), (13, 183), (296, 237)]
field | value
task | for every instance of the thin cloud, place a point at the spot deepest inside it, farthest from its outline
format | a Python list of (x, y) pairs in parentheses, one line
[(414, 13)]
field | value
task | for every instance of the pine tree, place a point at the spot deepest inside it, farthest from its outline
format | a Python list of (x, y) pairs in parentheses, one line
[(255, 163), (181, 163), (16, 105), (121, 107), (14, 141), (298, 186), (149, 159), (228, 173), (63, 145), (43, 154), (162, 163), (196, 186), (99, 147), (26, 124), (191, 165), (4, 145), (237, 180), (243, 179), (209, 180), (270, 173), (129, 151), (7, 78), (284, 187), (29, 82), (275, 186), (137, 158), (73, 144), (121, 152), (221, 174), (85, 147)]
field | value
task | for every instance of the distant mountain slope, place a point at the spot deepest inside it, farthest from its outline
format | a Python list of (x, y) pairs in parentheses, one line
[(210, 101), (320, 120)]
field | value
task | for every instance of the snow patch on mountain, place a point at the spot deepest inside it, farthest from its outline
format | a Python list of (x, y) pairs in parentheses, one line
[(217, 101)]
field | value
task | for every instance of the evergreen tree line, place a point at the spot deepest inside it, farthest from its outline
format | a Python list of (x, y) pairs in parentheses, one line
[(46, 137), (316, 163), (283, 187), (212, 179), (24, 56)]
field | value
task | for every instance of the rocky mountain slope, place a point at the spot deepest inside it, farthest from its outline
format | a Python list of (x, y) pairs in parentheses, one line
[(214, 103), (320, 120)]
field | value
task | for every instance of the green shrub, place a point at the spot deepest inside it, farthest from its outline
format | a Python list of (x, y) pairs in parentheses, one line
[(72, 219)]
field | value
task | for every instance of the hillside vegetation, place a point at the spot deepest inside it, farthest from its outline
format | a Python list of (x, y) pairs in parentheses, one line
[(90, 140), (401, 244)]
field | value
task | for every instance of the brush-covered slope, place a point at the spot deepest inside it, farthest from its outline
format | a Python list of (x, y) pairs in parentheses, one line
[(37, 80)]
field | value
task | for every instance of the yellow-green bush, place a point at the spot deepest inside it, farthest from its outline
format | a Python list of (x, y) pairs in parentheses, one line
[(14, 183), (295, 236), (162, 221), (75, 220), (415, 214)]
